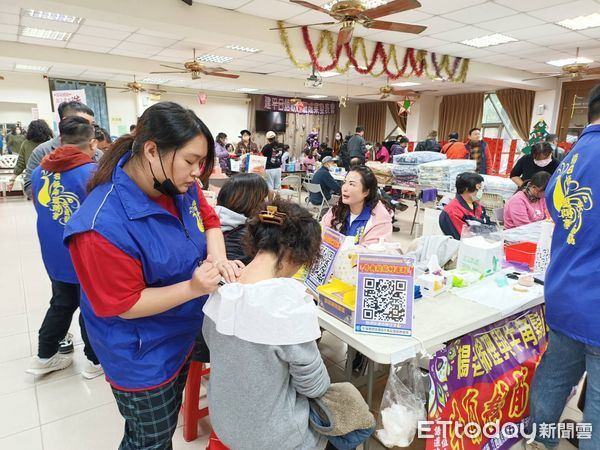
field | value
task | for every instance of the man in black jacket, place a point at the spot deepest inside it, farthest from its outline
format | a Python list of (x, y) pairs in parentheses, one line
[(357, 147), (323, 178)]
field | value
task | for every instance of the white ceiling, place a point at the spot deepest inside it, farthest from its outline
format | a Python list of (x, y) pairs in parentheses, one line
[(116, 34)]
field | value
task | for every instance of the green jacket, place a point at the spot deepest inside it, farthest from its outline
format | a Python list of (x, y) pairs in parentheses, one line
[(24, 153), (14, 141)]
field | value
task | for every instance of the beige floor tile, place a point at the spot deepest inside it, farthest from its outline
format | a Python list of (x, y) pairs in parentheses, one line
[(100, 428), (68, 396), (14, 324), (16, 346), (13, 377), (26, 440), (19, 412)]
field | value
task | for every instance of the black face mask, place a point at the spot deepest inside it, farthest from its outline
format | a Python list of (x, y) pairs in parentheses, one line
[(167, 187)]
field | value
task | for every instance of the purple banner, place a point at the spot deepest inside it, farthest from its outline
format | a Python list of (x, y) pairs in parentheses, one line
[(283, 104)]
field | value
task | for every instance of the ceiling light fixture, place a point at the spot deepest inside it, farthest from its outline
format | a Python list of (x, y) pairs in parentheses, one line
[(405, 84), (316, 96), (568, 61), (241, 48), (46, 15), (154, 80), (50, 35), (367, 3), (581, 22), (329, 74), (488, 41), (216, 59), (31, 68), (246, 89)]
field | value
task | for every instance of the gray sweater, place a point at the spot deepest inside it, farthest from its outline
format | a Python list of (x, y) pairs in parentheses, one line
[(258, 393), (357, 147)]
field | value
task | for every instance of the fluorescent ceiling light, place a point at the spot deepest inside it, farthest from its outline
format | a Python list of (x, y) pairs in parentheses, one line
[(567, 61), (241, 48), (329, 74), (368, 3), (217, 59), (246, 89), (31, 68), (405, 84), (154, 80), (45, 34), (46, 15), (316, 96), (488, 41), (581, 22)]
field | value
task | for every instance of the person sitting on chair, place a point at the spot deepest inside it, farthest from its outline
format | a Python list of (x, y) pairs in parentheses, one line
[(323, 178), (529, 203), (465, 207)]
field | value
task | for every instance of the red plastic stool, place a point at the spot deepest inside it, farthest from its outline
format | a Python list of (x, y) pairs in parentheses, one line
[(192, 413), (214, 443)]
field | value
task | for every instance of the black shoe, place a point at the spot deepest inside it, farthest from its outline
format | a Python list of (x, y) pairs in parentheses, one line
[(395, 229), (574, 441), (402, 207), (66, 345)]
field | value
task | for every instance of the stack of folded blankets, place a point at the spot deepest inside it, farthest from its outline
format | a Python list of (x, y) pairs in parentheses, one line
[(442, 174), (405, 168), (499, 185)]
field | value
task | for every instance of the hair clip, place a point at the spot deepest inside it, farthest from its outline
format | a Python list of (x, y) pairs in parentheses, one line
[(272, 216)]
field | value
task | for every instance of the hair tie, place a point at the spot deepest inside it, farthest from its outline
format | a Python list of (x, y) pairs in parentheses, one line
[(272, 216)]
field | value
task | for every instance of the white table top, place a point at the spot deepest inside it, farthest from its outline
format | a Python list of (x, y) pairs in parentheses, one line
[(436, 321)]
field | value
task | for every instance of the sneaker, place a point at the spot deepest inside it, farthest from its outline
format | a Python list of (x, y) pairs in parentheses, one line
[(41, 366), (395, 229), (92, 371), (66, 345)]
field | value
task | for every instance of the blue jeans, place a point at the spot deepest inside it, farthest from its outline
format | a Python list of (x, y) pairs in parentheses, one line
[(561, 368)]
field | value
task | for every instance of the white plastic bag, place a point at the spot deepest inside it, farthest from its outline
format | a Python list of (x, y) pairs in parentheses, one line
[(402, 405)]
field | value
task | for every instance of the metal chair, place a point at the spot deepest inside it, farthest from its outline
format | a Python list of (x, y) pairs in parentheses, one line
[(312, 188), (295, 184)]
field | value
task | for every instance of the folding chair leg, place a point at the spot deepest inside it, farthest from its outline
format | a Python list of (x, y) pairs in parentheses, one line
[(415, 216)]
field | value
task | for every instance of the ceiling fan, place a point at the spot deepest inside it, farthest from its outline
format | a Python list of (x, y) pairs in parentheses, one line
[(573, 71), (350, 12), (387, 90), (197, 69), (135, 87)]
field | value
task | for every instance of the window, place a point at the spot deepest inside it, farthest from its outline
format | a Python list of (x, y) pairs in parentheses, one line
[(495, 122)]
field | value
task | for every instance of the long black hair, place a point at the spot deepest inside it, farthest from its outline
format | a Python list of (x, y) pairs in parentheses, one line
[(369, 184), (244, 194), (38, 131), (170, 126)]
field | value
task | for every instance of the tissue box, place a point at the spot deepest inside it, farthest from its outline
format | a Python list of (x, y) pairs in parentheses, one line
[(432, 285), (339, 300), (480, 255)]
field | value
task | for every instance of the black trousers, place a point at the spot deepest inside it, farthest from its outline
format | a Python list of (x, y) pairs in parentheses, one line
[(63, 304)]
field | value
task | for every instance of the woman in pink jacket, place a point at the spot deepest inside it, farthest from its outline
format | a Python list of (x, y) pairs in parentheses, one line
[(529, 204), (360, 213)]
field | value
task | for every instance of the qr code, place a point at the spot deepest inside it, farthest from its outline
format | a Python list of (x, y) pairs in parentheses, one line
[(384, 300), (322, 265)]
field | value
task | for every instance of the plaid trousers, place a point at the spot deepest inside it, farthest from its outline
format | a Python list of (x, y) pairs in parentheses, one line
[(151, 416)]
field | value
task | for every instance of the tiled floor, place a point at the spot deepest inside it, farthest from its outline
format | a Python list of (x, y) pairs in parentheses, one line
[(62, 411)]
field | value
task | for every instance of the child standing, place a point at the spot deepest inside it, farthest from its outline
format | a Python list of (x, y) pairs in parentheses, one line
[(261, 331)]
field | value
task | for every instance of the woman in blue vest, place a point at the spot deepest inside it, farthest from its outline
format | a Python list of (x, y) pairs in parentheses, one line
[(148, 249)]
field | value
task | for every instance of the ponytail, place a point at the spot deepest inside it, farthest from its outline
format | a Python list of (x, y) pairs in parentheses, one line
[(109, 161)]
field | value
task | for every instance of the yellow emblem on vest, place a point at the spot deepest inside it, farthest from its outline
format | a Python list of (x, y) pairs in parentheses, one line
[(52, 195), (195, 212)]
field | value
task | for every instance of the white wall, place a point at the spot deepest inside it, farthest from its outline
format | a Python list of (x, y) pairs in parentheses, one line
[(16, 112), (31, 89), (349, 118), (222, 112), (421, 119), (551, 100), (122, 111)]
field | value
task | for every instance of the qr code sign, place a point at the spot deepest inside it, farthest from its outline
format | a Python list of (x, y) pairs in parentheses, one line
[(321, 266), (384, 300)]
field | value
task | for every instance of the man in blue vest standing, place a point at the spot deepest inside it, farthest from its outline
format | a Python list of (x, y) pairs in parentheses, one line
[(572, 291), (59, 189)]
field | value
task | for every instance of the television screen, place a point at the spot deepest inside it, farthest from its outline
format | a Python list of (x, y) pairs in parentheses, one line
[(270, 121)]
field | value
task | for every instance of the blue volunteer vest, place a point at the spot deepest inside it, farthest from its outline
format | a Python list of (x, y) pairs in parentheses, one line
[(145, 352), (357, 227), (57, 196), (572, 286)]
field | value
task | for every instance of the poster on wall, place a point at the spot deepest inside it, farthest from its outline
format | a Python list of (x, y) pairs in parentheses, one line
[(385, 295), (71, 95), (481, 382)]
